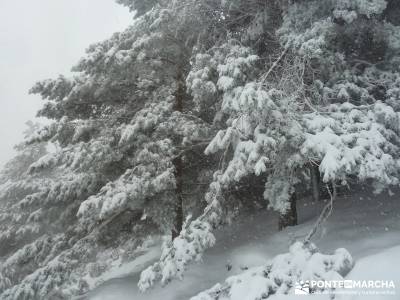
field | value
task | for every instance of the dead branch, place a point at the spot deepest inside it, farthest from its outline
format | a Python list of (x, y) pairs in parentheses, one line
[(275, 64), (326, 212)]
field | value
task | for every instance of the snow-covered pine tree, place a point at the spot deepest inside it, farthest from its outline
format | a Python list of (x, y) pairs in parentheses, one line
[(215, 70), (16, 185), (334, 70), (300, 84), (43, 220), (352, 74), (140, 7), (128, 152)]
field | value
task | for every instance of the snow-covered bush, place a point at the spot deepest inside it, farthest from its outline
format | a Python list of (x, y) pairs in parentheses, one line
[(302, 263)]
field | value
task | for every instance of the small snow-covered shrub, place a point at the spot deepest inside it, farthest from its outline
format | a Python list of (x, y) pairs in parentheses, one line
[(279, 276)]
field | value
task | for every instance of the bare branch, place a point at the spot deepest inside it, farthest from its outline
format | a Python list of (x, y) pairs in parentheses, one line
[(275, 64), (326, 212)]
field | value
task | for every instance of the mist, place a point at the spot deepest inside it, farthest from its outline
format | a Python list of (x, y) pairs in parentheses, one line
[(39, 40)]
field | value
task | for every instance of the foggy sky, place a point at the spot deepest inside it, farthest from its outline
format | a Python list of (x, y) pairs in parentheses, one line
[(40, 39)]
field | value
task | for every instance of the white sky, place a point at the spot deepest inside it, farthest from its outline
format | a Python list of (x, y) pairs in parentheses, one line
[(40, 39)]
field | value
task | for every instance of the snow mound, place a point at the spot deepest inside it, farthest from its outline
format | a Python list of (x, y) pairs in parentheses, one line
[(302, 263)]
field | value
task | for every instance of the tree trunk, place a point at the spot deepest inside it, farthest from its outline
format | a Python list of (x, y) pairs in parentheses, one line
[(315, 182), (178, 224), (178, 162), (290, 217)]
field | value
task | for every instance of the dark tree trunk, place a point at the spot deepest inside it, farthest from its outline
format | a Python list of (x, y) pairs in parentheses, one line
[(315, 182), (178, 224), (178, 163), (290, 217)]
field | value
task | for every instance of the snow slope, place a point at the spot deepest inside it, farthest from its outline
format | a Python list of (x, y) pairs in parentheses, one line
[(384, 265), (367, 225)]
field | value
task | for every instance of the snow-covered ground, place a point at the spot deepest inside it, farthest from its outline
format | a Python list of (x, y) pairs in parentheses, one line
[(367, 225)]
